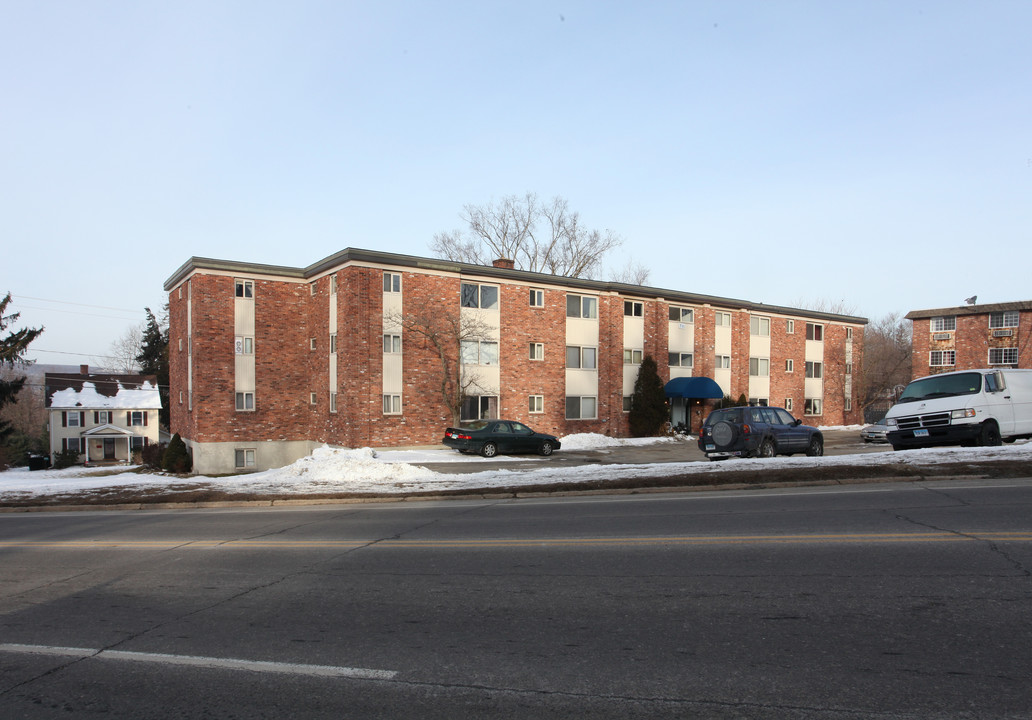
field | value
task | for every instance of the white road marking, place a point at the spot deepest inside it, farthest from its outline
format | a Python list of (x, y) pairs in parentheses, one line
[(207, 662)]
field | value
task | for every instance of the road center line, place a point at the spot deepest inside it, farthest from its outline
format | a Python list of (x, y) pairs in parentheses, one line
[(205, 662)]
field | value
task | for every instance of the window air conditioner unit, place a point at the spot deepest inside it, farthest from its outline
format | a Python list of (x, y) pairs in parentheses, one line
[(1003, 333), (941, 336)]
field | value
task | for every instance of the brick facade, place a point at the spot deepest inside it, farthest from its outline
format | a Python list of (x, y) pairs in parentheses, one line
[(292, 309), (971, 337)]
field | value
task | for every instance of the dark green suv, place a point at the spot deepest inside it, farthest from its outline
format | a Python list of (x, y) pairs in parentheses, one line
[(757, 432)]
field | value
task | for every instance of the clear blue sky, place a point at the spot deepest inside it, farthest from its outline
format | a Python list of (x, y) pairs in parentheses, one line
[(874, 154)]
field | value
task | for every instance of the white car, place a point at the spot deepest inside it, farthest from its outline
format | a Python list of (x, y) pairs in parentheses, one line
[(875, 432)]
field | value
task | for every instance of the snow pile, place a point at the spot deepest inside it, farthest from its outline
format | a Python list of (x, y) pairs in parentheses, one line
[(594, 441)]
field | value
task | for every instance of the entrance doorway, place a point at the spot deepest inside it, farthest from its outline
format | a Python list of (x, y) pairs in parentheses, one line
[(109, 448)]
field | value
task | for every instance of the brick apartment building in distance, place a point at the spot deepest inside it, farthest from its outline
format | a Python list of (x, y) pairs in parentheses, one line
[(972, 336), (267, 363)]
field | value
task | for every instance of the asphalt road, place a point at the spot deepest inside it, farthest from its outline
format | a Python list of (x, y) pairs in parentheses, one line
[(872, 601)]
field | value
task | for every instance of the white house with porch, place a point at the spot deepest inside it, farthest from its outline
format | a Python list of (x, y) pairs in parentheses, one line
[(103, 417)]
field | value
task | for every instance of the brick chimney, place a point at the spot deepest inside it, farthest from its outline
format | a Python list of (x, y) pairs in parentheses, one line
[(504, 263), (84, 369)]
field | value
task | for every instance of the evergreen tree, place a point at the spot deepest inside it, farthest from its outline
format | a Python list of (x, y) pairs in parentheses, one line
[(176, 458), (153, 357), (12, 350), (649, 409)]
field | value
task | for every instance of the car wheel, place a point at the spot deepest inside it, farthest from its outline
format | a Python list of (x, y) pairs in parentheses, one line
[(990, 434), (766, 449), (816, 447), (546, 448), (724, 434), (489, 450)]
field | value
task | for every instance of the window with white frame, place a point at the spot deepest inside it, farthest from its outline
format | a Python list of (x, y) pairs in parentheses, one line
[(136, 418), (944, 323), (759, 367), (333, 284), (789, 365), (581, 306), (632, 357), (722, 319), (244, 288), (682, 314), (245, 401), (1003, 356), (849, 333), (814, 369), (537, 351), (581, 408), (333, 402), (942, 358), (685, 360), (759, 325), (788, 404), (848, 404), (243, 458), (849, 368), (790, 327), (391, 343), (103, 417), (484, 297), (537, 298), (311, 343), (626, 403), (812, 406), (391, 282), (312, 398), (479, 352), (243, 345), (722, 362), (73, 419), (311, 286), (479, 407), (632, 308), (814, 331), (391, 404), (536, 404), (584, 358), (1007, 319), (333, 343)]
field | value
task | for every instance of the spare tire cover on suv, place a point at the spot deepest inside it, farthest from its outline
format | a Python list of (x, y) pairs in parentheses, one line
[(724, 434)]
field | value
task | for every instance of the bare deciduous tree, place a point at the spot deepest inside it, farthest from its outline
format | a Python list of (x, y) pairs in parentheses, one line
[(633, 274), (538, 237), (124, 350), (445, 332), (887, 358)]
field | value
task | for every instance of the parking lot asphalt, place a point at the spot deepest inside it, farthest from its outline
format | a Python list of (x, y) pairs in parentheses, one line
[(681, 450)]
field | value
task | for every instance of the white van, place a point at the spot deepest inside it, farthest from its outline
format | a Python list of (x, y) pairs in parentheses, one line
[(967, 407)]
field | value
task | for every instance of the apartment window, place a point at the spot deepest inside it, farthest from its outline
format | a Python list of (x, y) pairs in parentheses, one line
[(391, 282), (484, 297), (480, 407), (942, 358), (1008, 319), (814, 369), (848, 404), (245, 401), (722, 319), (537, 404), (759, 367), (626, 403), (849, 368), (790, 327), (722, 362), (633, 309), (581, 408), (581, 306), (812, 406), (333, 343), (333, 402), (537, 351), (537, 298), (758, 402), (244, 345), (686, 360), (759, 326), (790, 365), (245, 288), (311, 343), (244, 458), (312, 398), (814, 332), (392, 404), (632, 357), (311, 286), (788, 404), (584, 358), (391, 343), (682, 314), (1003, 356), (333, 284), (849, 333), (479, 352), (944, 323)]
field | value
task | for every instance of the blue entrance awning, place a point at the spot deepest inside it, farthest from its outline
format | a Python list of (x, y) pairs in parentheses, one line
[(693, 387)]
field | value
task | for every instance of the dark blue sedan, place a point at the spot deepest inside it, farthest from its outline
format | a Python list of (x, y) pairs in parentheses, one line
[(490, 437)]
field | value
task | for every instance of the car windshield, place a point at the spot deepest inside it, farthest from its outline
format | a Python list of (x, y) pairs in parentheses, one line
[(938, 386)]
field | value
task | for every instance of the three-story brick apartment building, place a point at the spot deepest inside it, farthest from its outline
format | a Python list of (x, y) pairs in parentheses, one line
[(971, 336), (269, 362)]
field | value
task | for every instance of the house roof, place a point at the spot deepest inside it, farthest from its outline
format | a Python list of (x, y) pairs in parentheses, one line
[(102, 391), (970, 310), (374, 257)]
